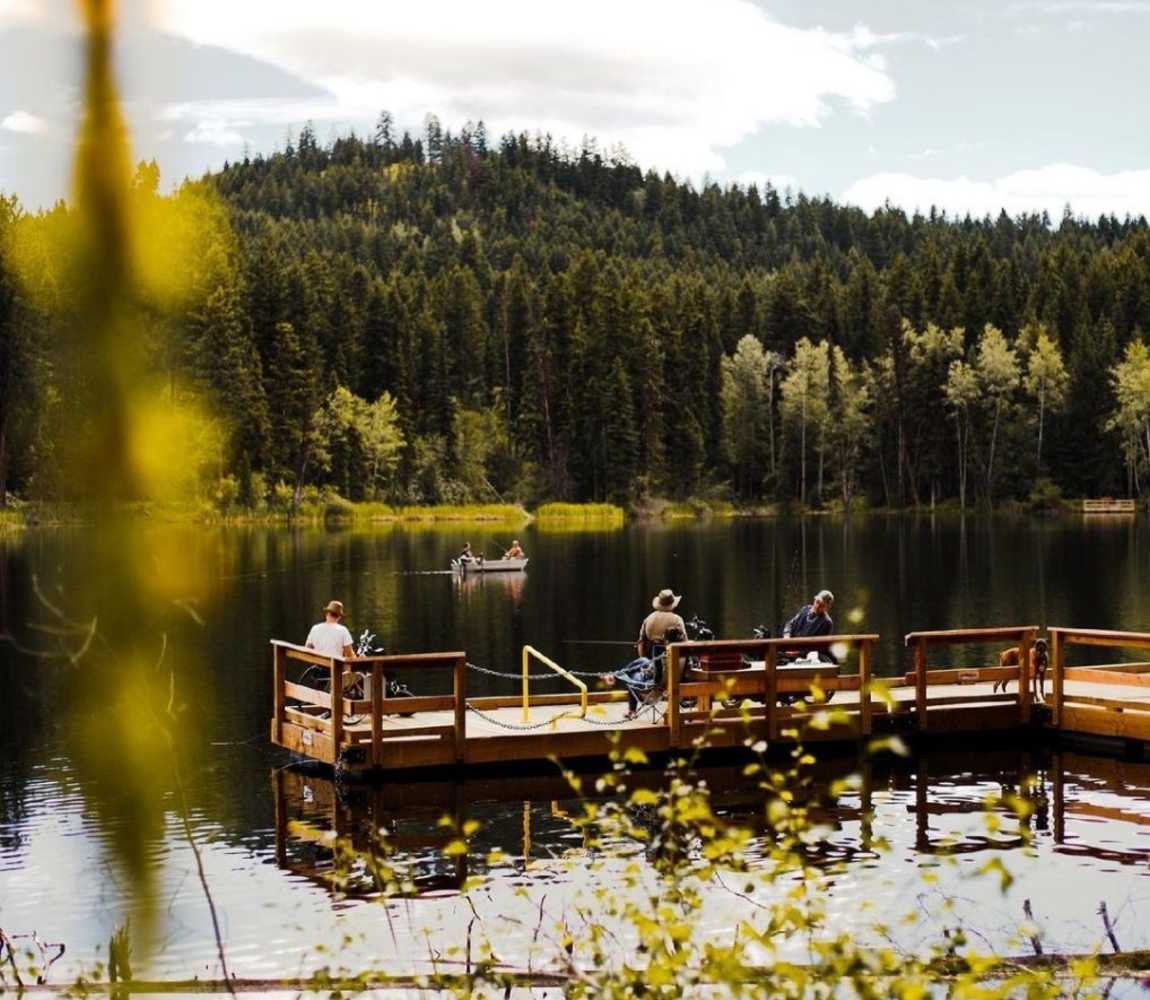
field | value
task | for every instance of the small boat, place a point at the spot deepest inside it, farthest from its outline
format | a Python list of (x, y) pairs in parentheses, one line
[(488, 565)]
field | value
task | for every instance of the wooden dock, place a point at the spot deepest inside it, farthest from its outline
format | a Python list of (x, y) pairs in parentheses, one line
[(736, 701), (1109, 505)]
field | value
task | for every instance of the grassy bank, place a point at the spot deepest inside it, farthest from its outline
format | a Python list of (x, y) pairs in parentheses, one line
[(378, 513), (11, 520), (550, 517), (579, 517)]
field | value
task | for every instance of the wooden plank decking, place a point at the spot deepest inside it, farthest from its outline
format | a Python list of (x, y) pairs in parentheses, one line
[(727, 706)]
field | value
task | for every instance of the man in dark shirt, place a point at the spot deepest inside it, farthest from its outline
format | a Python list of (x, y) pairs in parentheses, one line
[(813, 619)]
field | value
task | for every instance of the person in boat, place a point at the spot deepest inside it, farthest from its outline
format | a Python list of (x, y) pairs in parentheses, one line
[(812, 621), (515, 552), (331, 637), (466, 555)]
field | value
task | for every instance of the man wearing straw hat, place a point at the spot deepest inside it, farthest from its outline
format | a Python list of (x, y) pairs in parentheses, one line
[(658, 623), (645, 674), (331, 637)]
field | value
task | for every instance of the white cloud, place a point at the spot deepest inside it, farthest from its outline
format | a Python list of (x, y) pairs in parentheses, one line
[(19, 11), (675, 82), (1050, 188), (24, 123), (1083, 6), (780, 182), (215, 132)]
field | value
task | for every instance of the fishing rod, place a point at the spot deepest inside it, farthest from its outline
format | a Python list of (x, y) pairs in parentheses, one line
[(598, 642)]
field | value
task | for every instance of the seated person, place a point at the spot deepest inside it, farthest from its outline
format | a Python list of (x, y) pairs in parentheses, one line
[(466, 555), (331, 637), (515, 552), (659, 628), (639, 676), (812, 621), (653, 631)]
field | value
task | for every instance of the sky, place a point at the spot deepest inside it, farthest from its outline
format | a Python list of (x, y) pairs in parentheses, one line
[(1027, 105)]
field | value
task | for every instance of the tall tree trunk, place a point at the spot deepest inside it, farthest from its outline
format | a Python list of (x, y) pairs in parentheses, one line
[(1041, 417), (882, 471), (301, 471), (822, 454), (961, 464), (901, 459), (4, 457), (990, 459), (803, 455), (771, 425)]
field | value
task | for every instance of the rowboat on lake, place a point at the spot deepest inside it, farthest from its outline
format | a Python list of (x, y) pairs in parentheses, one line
[(488, 565)]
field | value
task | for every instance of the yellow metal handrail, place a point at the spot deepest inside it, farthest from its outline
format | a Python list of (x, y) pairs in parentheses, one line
[(529, 653)]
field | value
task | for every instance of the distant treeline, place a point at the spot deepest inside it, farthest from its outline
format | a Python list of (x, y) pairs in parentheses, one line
[(440, 319)]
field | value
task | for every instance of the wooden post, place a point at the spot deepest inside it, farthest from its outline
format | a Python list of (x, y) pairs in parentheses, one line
[(336, 668), (377, 683), (1025, 644), (674, 722), (770, 693), (864, 687), (1056, 668), (526, 686), (279, 676), (920, 681), (459, 689)]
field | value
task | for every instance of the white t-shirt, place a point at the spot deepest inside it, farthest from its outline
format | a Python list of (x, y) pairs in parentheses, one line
[(329, 638)]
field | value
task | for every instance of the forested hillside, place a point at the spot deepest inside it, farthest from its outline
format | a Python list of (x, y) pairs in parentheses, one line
[(440, 319)]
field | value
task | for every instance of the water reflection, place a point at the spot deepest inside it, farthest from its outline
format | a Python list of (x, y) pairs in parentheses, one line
[(902, 573), (936, 805)]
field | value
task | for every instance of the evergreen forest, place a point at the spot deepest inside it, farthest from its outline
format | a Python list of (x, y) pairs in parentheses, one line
[(447, 318)]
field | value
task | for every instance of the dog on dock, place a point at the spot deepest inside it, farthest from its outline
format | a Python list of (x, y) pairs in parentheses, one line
[(1039, 661)]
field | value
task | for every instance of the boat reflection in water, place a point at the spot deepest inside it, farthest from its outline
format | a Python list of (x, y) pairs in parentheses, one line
[(928, 805), (510, 584)]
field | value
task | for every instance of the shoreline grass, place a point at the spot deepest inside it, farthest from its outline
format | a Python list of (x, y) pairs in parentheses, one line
[(579, 517), (549, 517)]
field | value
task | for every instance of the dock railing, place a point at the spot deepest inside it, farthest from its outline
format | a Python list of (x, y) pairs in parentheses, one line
[(724, 672), (316, 723), (922, 678), (1096, 712), (531, 653)]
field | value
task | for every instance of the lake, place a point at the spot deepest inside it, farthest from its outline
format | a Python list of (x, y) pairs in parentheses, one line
[(264, 829)]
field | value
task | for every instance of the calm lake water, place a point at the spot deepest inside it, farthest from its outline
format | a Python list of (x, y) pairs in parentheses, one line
[(890, 575)]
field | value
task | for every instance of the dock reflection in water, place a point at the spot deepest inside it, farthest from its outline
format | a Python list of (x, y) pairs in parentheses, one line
[(930, 806)]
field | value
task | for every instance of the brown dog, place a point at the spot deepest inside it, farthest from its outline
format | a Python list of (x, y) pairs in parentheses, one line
[(1039, 661)]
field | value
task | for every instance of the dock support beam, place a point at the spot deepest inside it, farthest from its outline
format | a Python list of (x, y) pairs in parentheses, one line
[(864, 687), (377, 683), (1025, 645), (335, 667), (279, 702), (920, 682), (459, 689), (770, 693), (1057, 682)]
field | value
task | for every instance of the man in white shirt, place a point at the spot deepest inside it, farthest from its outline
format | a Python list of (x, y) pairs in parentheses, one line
[(331, 637)]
